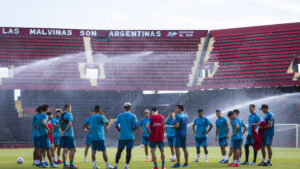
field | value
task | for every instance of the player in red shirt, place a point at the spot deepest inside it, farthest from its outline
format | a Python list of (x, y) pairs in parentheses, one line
[(155, 129), (50, 135)]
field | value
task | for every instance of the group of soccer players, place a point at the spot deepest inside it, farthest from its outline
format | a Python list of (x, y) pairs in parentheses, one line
[(152, 127)]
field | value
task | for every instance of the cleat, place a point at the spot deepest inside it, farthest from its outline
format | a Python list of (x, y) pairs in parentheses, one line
[(185, 165), (96, 167), (196, 161), (226, 161), (59, 161), (231, 165), (236, 165), (222, 161), (126, 168), (85, 161), (53, 166), (245, 163), (65, 166), (154, 168), (115, 167), (262, 164), (42, 166), (46, 163), (163, 168), (253, 163), (267, 164), (73, 167), (147, 160), (175, 165), (109, 167), (206, 160)]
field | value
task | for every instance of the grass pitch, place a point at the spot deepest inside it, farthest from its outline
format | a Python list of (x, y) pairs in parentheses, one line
[(283, 158)]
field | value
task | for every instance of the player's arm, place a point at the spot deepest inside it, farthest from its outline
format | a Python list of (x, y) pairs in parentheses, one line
[(166, 120), (148, 128), (269, 125), (210, 127), (217, 133), (45, 125), (227, 126), (176, 126), (116, 124), (236, 130), (67, 128), (244, 129), (194, 128)]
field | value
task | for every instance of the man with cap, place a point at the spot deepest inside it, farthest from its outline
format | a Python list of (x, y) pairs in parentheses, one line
[(268, 135), (145, 137), (126, 123)]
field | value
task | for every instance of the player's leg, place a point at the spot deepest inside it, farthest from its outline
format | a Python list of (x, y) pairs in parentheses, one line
[(263, 153), (186, 153), (173, 156), (72, 147), (129, 146), (146, 143), (229, 155), (246, 162), (162, 154), (197, 143), (206, 153), (94, 159), (178, 144), (86, 150), (153, 153), (121, 146), (270, 153)]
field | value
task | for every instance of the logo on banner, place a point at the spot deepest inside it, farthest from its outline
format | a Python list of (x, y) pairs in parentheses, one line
[(172, 34)]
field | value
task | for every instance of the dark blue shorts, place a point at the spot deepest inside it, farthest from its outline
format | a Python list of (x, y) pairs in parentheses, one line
[(171, 141), (128, 143), (267, 141), (145, 140), (236, 143), (57, 141), (45, 142), (98, 145), (88, 141), (222, 141), (180, 141), (202, 141), (159, 144), (68, 142), (36, 142), (250, 140)]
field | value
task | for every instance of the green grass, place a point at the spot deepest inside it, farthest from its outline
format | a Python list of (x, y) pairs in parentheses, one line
[(283, 158)]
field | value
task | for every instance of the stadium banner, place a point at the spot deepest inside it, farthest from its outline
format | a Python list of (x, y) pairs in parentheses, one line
[(103, 33)]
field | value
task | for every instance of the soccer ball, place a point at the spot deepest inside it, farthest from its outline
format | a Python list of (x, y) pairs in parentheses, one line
[(20, 160)]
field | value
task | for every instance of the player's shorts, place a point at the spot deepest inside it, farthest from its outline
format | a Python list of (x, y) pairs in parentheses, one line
[(88, 141), (202, 141), (145, 140), (56, 141), (267, 140), (98, 145), (128, 143), (180, 141), (159, 144), (44, 142), (68, 142), (36, 142), (222, 141), (250, 140), (171, 141), (236, 143)]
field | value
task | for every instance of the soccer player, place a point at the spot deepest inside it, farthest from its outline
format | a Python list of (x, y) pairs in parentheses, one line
[(44, 130), (222, 133), (170, 120), (50, 135), (67, 136), (57, 135), (243, 128), (145, 137), (268, 135), (200, 128), (236, 138), (35, 136), (155, 128), (88, 139), (181, 122), (95, 125), (252, 119), (126, 123)]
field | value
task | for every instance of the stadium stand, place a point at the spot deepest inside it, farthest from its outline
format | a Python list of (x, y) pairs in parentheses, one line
[(252, 57)]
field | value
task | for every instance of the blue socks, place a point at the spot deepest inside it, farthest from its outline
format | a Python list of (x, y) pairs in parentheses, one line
[(155, 165), (163, 163), (65, 163), (71, 162)]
